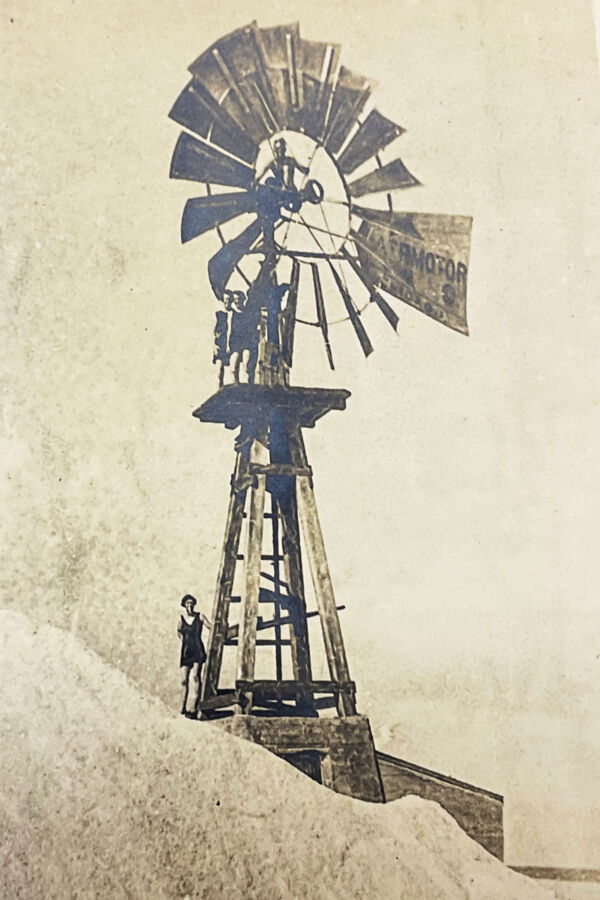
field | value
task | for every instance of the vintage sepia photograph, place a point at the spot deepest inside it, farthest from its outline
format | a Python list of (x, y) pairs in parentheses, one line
[(300, 450)]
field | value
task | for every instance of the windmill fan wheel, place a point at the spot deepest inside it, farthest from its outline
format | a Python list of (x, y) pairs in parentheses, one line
[(298, 171)]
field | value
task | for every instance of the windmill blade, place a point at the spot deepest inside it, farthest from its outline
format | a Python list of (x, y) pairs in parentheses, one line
[(202, 214), (242, 54), (210, 70), (375, 296), (349, 97), (321, 317), (400, 223), (231, 71), (388, 178), (319, 66), (375, 133), (354, 315), (221, 266), (195, 109), (194, 160), (280, 50), (288, 317), (430, 273)]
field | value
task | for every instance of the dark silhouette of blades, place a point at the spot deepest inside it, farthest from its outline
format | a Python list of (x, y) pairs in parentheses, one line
[(401, 223), (319, 66), (195, 109), (232, 72), (354, 315), (279, 47), (210, 71), (386, 309), (194, 160), (321, 317), (349, 97), (428, 273), (388, 178), (375, 133), (223, 263), (242, 55), (375, 296), (288, 316), (202, 214)]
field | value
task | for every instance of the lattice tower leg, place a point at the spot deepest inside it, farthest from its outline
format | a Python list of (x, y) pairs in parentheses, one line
[(314, 546), (246, 655), (220, 614)]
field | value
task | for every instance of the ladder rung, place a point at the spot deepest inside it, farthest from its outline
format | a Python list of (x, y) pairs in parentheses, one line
[(286, 469), (261, 599), (269, 557), (262, 642)]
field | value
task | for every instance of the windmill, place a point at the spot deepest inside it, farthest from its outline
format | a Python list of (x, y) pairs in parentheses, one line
[(299, 180)]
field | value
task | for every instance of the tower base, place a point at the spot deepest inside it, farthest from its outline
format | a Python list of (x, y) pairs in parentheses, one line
[(337, 752)]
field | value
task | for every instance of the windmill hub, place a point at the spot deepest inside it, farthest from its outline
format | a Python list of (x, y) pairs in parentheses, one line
[(307, 190)]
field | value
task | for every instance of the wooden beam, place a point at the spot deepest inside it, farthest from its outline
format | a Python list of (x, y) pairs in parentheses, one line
[(301, 661), (280, 469), (218, 702), (246, 655), (261, 642), (290, 689), (220, 612), (321, 578)]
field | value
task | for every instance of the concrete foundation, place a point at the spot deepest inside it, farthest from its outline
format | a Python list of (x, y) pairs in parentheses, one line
[(338, 752)]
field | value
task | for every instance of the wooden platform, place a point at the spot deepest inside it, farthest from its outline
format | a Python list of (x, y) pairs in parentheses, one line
[(245, 404)]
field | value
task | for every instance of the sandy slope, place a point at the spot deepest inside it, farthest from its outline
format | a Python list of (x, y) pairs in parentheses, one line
[(106, 793)]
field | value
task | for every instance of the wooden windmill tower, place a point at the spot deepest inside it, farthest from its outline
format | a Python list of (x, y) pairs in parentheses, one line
[(283, 139)]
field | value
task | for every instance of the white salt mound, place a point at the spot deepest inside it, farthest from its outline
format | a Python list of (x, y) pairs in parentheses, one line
[(108, 794)]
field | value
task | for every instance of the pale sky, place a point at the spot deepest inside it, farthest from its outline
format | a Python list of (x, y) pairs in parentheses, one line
[(457, 493)]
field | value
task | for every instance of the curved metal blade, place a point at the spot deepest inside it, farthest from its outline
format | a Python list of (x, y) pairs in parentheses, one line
[(279, 48), (376, 297), (321, 317), (349, 97), (233, 69), (223, 263), (195, 109), (193, 160), (201, 214), (388, 178), (429, 273), (375, 133), (319, 66), (354, 315)]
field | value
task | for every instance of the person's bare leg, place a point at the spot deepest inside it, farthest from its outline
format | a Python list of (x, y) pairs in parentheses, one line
[(185, 685), (197, 685), (245, 374), (233, 369)]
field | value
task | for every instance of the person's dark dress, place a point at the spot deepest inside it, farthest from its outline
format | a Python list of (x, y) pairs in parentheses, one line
[(245, 324), (192, 648)]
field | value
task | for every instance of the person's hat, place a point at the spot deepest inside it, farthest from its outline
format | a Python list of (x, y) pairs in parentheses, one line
[(184, 600)]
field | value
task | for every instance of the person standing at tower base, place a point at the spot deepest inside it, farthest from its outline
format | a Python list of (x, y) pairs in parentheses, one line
[(193, 655)]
